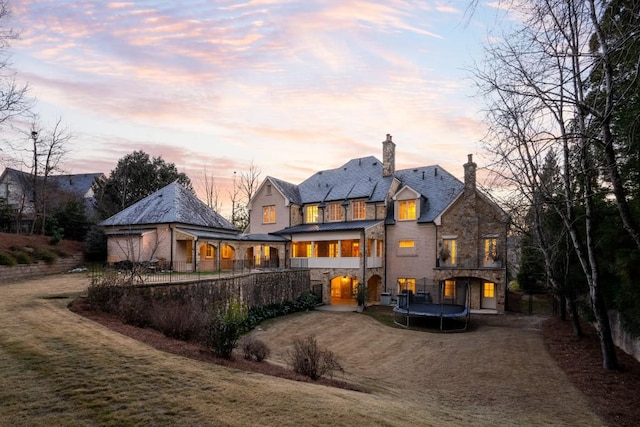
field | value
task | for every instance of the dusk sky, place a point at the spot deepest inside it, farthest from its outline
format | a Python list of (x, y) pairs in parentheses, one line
[(292, 86)]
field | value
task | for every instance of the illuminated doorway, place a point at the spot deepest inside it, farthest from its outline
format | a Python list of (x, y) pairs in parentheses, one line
[(343, 290)]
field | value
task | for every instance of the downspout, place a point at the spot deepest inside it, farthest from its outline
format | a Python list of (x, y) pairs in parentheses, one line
[(195, 254), (364, 262), (172, 246)]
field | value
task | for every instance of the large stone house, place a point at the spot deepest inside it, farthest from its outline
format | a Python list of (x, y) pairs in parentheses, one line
[(172, 228), (392, 230)]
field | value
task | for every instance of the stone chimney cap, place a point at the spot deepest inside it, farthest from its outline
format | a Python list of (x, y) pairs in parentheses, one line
[(470, 158), (389, 137)]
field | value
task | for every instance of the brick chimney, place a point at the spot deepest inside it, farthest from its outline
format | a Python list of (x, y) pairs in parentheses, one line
[(388, 157), (470, 174)]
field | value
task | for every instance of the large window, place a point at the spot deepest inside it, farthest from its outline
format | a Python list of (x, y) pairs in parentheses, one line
[(302, 250), (268, 214), (406, 210), (358, 209), (406, 283), (449, 252), (311, 213), (335, 212), (350, 248), (327, 249), (490, 250)]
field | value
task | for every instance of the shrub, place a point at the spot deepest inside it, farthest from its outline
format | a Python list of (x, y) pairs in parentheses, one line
[(224, 328), (7, 259), (45, 255), (310, 360), (22, 257), (134, 310), (177, 320), (254, 349)]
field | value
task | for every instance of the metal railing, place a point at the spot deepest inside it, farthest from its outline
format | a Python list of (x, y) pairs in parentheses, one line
[(178, 271)]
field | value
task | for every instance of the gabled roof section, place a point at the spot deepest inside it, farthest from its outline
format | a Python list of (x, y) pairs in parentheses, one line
[(79, 184), (288, 190), (357, 179), (170, 204), (437, 187)]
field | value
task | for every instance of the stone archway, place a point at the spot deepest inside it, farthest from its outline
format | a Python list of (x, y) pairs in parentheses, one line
[(343, 290), (373, 288)]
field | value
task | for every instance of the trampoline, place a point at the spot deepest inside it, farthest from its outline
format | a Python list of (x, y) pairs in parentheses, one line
[(451, 301)]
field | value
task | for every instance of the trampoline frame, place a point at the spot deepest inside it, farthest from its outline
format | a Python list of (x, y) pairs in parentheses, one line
[(407, 309)]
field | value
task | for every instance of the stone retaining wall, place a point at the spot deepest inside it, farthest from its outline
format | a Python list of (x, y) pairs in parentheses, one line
[(40, 268)]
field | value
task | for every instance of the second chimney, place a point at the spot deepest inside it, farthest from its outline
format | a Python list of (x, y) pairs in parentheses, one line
[(388, 157)]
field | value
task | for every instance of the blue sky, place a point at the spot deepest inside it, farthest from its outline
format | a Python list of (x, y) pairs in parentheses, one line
[(292, 86)]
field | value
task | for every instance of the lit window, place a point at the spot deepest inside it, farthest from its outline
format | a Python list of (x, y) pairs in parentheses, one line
[(489, 290), (406, 283), (449, 252), (407, 244), (227, 252), (449, 289), (350, 248), (358, 210), (209, 251), (335, 212), (302, 249), (490, 251), (312, 213), (328, 249), (268, 214), (406, 210)]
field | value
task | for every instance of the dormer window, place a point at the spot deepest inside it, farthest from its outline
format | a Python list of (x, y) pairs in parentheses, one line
[(335, 212), (358, 210), (311, 212), (406, 210)]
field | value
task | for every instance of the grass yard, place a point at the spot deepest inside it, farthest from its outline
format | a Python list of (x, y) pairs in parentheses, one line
[(58, 368)]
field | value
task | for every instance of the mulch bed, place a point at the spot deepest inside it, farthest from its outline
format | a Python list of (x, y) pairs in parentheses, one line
[(615, 395)]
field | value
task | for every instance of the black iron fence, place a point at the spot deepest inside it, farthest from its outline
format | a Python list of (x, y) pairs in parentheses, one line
[(177, 271)]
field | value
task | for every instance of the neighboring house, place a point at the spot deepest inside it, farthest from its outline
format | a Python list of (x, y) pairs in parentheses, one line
[(17, 191), (174, 228), (411, 229)]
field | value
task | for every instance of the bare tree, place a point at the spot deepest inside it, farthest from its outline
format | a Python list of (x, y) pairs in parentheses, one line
[(13, 95), (48, 150), (243, 190), (537, 75), (212, 194)]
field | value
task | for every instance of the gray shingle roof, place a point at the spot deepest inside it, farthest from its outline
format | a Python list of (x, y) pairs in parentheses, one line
[(290, 191), (170, 204), (329, 226), (357, 179), (78, 184)]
